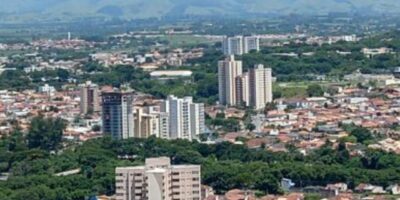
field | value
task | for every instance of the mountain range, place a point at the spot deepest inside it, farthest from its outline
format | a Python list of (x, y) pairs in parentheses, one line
[(135, 9)]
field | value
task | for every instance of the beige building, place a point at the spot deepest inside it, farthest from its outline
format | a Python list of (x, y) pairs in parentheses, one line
[(90, 98), (236, 88), (158, 180), (228, 70), (146, 122), (243, 90), (260, 82)]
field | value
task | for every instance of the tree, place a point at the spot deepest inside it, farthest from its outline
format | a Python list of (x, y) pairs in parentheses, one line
[(45, 133), (362, 134), (315, 90), (251, 127), (269, 106), (96, 128)]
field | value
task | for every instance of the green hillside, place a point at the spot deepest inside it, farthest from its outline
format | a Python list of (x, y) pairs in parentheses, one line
[(134, 9)]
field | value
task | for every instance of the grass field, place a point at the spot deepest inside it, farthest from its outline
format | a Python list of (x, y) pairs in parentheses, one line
[(185, 40)]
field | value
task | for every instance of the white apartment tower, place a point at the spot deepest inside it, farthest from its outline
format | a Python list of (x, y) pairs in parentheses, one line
[(228, 70), (251, 43), (186, 119), (158, 180), (260, 84), (239, 45), (197, 119), (232, 45)]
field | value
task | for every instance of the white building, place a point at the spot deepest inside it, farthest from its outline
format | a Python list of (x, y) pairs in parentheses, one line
[(228, 70), (260, 83), (233, 45), (158, 180), (46, 88), (239, 45), (251, 43), (197, 119), (186, 119)]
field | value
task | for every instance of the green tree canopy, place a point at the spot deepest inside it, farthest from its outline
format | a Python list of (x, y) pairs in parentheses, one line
[(45, 133)]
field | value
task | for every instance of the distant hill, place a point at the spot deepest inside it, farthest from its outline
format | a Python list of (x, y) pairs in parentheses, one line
[(134, 9)]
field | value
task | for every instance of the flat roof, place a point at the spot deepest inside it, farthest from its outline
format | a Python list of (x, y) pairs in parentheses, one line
[(171, 73)]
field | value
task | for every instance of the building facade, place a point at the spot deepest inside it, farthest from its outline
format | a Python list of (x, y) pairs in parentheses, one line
[(239, 45), (228, 70), (243, 90), (197, 118), (146, 122), (232, 45), (186, 119), (260, 86), (163, 121), (253, 88), (117, 114), (90, 98), (251, 43), (158, 180)]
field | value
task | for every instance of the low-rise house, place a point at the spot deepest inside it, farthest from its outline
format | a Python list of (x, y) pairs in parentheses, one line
[(337, 187), (368, 188), (394, 189), (237, 194)]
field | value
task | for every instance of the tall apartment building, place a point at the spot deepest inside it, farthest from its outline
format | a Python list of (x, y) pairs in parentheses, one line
[(90, 97), (186, 119), (158, 180), (243, 89), (117, 114), (239, 45), (146, 122), (233, 45), (228, 70), (260, 86), (163, 121), (251, 43), (253, 88), (197, 119)]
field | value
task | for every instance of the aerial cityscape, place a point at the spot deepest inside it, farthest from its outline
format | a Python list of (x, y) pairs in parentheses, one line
[(199, 100)]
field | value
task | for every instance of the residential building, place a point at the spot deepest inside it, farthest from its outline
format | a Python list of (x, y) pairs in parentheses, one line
[(260, 82), (47, 89), (89, 94), (239, 45), (117, 114), (228, 70), (197, 119), (232, 45), (242, 89), (251, 43), (186, 119), (158, 180), (163, 121), (146, 123)]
